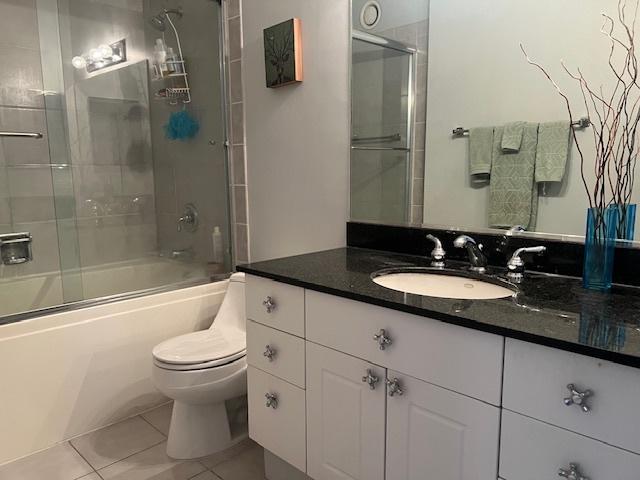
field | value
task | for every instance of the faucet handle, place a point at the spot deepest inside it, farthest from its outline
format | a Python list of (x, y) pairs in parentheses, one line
[(438, 254), (515, 265)]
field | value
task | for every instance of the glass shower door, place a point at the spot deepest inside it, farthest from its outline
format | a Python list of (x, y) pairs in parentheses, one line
[(381, 127), (35, 178), (95, 182)]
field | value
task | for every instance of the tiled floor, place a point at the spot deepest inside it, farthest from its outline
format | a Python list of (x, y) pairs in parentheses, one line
[(134, 450)]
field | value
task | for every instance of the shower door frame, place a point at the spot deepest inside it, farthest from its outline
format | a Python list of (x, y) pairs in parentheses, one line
[(384, 42)]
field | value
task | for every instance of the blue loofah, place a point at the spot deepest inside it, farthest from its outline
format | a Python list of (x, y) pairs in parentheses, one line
[(181, 126)]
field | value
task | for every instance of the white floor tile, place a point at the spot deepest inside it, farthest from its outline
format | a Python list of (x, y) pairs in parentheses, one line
[(152, 464), (249, 465), (206, 476), (111, 444), (217, 458), (91, 476), (160, 417), (61, 462)]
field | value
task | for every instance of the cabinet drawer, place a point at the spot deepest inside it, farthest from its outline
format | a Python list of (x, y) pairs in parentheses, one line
[(457, 358), (532, 450), (280, 428), (286, 353), (275, 304), (535, 384)]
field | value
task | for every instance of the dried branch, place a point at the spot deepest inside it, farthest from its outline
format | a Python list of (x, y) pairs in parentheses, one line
[(615, 116)]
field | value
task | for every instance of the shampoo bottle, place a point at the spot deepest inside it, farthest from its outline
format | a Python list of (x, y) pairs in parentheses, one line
[(218, 251), (160, 54)]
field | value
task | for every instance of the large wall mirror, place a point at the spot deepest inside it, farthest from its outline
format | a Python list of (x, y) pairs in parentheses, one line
[(453, 126)]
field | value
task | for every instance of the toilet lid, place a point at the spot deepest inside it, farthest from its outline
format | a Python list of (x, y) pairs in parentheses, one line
[(201, 347)]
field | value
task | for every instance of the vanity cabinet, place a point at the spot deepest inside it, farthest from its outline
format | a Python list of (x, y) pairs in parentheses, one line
[(347, 390), (387, 395)]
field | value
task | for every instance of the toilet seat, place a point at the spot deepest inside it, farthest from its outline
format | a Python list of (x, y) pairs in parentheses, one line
[(203, 349)]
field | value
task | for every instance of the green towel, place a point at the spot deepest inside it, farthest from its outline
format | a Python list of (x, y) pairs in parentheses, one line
[(480, 150), (512, 137), (513, 196), (553, 151)]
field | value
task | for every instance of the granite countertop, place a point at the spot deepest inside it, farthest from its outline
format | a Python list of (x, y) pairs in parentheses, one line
[(549, 310)]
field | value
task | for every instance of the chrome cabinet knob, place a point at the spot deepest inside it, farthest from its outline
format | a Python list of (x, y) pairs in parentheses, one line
[(269, 352), (371, 379), (573, 473), (269, 304), (576, 397), (394, 388), (272, 400), (382, 339)]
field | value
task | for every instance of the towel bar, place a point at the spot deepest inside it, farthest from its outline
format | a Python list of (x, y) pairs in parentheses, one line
[(21, 134), (580, 124)]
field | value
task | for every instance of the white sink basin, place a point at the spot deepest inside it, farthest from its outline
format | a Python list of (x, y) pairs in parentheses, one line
[(442, 286)]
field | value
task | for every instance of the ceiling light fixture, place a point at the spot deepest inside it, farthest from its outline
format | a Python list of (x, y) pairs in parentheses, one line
[(102, 56)]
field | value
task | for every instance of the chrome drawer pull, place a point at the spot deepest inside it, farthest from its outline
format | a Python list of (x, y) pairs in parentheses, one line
[(394, 387), (272, 400), (382, 339), (371, 379), (269, 304), (573, 473), (576, 397), (269, 352)]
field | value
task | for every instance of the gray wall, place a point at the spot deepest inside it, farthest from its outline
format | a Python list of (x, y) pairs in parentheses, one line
[(298, 136)]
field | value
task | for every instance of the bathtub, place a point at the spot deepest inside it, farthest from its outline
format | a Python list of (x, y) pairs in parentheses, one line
[(70, 372), (35, 292)]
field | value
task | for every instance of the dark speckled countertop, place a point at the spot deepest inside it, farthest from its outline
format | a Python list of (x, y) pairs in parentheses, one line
[(549, 310)]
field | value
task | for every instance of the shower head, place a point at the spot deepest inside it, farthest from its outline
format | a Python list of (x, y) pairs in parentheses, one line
[(159, 21)]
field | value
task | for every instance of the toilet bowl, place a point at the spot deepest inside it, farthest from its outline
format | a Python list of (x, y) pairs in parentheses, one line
[(201, 371)]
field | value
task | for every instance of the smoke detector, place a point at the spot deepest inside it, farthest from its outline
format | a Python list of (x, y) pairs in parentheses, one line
[(370, 14)]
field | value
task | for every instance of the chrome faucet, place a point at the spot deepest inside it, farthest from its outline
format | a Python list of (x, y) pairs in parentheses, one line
[(477, 259), (189, 219), (437, 254), (515, 265)]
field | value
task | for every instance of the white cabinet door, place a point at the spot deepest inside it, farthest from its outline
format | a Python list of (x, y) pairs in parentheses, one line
[(436, 434), (345, 418)]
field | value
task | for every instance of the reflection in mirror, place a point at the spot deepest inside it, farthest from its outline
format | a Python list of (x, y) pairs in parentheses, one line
[(388, 77), (512, 159)]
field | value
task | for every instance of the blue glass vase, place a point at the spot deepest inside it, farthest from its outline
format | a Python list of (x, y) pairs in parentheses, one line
[(599, 248), (626, 221)]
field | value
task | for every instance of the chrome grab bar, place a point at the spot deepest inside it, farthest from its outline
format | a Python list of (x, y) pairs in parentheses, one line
[(399, 149), (21, 134), (396, 137)]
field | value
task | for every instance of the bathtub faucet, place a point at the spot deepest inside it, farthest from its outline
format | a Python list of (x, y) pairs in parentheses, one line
[(189, 219)]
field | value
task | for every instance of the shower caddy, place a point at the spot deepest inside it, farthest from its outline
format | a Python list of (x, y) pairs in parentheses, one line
[(180, 90)]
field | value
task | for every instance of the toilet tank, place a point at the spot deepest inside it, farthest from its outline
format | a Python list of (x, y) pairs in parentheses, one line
[(232, 311)]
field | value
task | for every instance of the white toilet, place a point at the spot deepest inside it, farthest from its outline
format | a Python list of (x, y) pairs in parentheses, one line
[(200, 371)]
